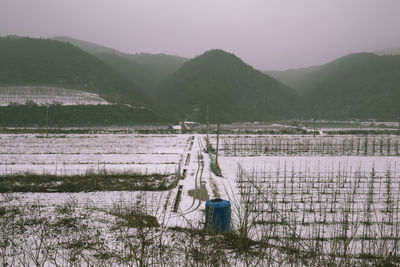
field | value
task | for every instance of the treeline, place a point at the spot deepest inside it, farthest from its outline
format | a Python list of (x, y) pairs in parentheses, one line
[(31, 115)]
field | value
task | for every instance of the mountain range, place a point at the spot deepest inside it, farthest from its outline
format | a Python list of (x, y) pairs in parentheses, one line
[(356, 86), (145, 70)]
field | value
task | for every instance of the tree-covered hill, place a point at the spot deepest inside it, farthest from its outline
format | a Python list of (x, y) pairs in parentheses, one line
[(28, 61), (91, 48), (363, 85), (294, 78), (166, 64), (146, 77), (359, 85), (145, 70), (233, 90)]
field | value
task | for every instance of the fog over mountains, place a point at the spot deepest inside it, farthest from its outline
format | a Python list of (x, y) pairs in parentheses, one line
[(356, 86)]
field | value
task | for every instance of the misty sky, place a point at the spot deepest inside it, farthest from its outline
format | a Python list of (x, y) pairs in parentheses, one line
[(268, 34)]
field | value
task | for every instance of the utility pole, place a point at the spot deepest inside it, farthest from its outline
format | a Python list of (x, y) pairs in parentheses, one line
[(47, 119), (216, 159), (314, 128), (208, 122)]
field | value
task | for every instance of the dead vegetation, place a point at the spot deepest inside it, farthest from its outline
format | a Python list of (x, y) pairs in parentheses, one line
[(90, 182)]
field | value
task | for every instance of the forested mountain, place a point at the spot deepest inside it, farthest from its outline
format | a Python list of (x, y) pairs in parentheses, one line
[(388, 52), (363, 85), (27, 61), (233, 90), (89, 47), (294, 78), (146, 77), (359, 85), (166, 64), (145, 70), (162, 62)]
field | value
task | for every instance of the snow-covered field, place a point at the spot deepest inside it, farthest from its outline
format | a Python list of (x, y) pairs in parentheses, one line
[(344, 206), (48, 95), (73, 154)]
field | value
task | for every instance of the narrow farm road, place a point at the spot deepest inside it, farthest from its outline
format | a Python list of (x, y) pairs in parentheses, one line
[(195, 189), (198, 185)]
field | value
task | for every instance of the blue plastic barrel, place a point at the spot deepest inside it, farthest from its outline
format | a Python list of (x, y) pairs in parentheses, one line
[(218, 215)]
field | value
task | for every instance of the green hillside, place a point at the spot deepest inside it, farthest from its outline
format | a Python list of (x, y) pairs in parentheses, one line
[(27, 61), (363, 85), (146, 77), (233, 90), (294, 78), (166, 64), (355, 86), (89, 47), (145, 70)]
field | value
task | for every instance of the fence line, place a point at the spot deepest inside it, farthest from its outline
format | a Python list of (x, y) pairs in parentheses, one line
[(308, 145), (364, 213)]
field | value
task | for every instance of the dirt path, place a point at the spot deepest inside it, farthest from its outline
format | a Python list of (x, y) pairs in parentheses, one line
[(194, 192)]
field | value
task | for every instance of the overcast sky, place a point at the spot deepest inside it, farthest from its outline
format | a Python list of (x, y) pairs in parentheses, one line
[(268, 34)]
